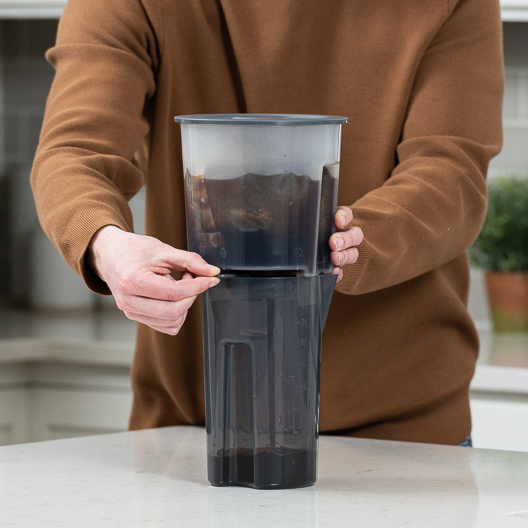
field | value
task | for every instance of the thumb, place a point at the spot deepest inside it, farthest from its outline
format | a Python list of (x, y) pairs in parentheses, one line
[(189, 261)]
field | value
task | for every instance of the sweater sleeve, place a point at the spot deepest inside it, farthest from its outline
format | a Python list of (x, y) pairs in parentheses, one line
[(88, 163), (431, 208)]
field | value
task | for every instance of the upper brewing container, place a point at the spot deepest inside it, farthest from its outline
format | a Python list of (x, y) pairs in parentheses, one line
[(261, 190)]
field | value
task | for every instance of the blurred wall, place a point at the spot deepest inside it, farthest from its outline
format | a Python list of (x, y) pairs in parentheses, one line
[(514, 155), (26, 79)]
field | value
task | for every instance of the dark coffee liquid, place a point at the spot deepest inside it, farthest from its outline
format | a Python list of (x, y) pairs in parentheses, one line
[(283, 468), (262, 222)]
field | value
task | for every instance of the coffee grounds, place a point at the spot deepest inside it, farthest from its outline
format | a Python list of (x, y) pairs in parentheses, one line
[(262, 221)]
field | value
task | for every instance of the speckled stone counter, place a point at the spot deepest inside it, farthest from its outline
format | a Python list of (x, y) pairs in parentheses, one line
[(157, 478)]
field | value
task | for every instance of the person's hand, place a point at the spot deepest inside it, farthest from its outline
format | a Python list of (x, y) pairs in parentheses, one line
[(343, 243), (137, 270)]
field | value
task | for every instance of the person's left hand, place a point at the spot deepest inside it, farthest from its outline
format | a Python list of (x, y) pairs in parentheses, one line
[(343, 243)]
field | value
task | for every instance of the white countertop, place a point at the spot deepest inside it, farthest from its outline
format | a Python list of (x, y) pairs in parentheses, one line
[(157, 478)]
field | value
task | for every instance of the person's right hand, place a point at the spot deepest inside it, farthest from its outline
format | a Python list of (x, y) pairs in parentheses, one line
[(137, 269)]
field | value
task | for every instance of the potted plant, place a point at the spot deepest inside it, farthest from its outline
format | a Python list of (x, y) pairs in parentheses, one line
[(501, 250)]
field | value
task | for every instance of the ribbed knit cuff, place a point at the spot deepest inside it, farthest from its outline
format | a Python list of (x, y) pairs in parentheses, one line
[(78, 235)]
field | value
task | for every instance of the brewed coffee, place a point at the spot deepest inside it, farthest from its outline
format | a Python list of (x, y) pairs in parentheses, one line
[(254, 221), (283, 468)]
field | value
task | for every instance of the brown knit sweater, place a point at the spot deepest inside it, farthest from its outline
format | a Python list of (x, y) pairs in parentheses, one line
[(421, 82)]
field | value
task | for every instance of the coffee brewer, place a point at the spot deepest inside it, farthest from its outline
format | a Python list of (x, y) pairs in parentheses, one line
[(261, 195)]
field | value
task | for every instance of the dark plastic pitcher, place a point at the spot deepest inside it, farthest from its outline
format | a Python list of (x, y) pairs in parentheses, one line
[(262, 350)]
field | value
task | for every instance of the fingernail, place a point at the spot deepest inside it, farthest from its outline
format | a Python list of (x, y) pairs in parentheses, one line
[(214, 282), (215, 269), (342, 220), (338, 242)]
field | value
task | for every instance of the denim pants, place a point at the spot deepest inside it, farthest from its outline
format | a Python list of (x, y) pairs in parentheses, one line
[(466, 442)]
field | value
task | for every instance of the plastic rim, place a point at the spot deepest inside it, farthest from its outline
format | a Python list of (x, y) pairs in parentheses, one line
[(261, 119)]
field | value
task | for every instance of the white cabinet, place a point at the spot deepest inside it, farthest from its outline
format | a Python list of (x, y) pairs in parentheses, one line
[(500, 424), (499, 408), (14, 416), (51, 390), (31, 415), (60, 413)]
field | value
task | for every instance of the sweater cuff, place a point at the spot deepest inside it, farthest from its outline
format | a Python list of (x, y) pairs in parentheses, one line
[(78, 235)]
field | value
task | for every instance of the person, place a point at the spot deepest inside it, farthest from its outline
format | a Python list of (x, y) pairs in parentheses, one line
[(422, 85)]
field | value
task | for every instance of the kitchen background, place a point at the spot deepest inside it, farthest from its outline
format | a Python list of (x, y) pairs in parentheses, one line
[(65, 353)]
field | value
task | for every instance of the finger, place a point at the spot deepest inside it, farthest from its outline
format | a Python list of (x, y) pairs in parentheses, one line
[(153, 311), (345, 239), (343, 216), (339, 272), (159, 287), (341, 258), (154, 321), (187, 260), (172, 331)]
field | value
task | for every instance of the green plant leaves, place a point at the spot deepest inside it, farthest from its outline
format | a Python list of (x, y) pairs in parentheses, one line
[(503, 242)]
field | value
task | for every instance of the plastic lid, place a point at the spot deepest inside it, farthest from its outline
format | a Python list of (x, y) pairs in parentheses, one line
[(261, 119)]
